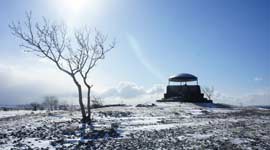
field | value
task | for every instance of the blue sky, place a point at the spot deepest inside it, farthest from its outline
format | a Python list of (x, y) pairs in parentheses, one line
[(225, 43)]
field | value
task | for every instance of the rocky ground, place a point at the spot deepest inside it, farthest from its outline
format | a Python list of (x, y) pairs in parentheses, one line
[(165, 126)]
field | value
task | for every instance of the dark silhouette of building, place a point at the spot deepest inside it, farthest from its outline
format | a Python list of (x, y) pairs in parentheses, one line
[(182, 92)]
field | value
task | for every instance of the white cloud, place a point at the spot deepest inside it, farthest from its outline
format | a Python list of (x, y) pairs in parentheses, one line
[(130, 90), (131, 93), (258, 97), (124, 90), (22, 85), (156, 89), (261, 97)]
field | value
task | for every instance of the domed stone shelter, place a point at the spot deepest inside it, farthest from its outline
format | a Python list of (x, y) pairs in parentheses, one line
[(178, 89)]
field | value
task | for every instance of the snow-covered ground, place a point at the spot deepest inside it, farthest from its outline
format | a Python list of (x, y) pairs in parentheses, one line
[(13, 113), (165, 126)]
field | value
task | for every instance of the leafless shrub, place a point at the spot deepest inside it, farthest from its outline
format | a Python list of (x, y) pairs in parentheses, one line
[(97, 102), (50, 102), (208, 92)]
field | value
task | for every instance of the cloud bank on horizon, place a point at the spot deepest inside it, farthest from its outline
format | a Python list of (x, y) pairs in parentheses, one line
[(18, 88)]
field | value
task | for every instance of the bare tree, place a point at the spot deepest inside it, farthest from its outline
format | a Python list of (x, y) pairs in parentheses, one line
[(50, 40), (91, 53), (35, 106), (46, 103), (55, 103), (209, 92), (51, 102)]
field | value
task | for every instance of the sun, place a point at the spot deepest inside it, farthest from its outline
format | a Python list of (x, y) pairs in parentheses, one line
[(74, 13), (73, 6), (70, 11)]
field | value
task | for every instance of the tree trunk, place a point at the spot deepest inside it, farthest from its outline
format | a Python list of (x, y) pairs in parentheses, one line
[(80, 99), (88, 100), (88, 103)]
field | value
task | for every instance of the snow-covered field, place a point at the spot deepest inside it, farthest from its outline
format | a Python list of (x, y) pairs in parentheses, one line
[(165, 126), (18, 113)]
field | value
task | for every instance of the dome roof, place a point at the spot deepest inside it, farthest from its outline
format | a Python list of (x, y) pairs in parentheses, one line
[(183, 77)]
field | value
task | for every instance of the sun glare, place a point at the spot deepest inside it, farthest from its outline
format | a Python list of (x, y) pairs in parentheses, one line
[(74, 6), (74, 11)]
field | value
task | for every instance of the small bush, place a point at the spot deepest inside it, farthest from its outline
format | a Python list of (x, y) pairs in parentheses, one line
[(146, 105), (5, 109), (97, 102)]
